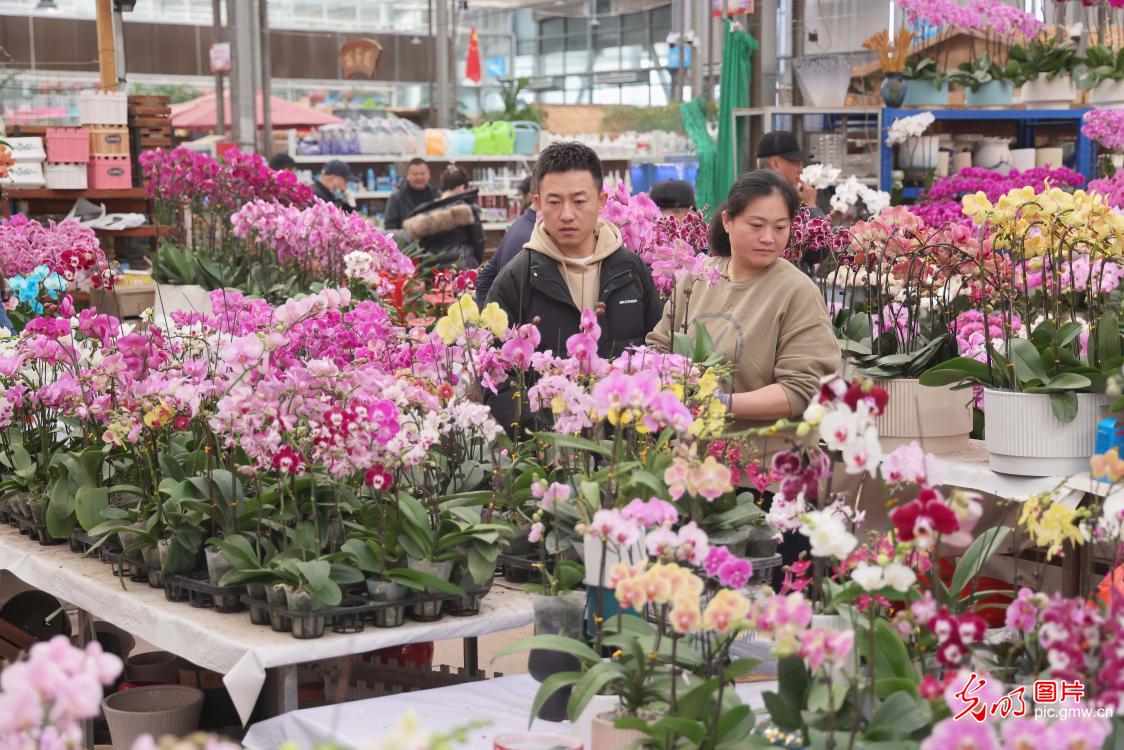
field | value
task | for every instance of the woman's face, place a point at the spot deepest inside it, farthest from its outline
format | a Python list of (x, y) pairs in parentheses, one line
[(759, 233)]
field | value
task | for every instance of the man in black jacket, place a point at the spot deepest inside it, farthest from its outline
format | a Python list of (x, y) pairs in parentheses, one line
[(332, 183), (516, 236), (414, 193), (574, 261)]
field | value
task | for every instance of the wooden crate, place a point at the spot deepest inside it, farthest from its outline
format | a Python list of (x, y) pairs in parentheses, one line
[(150, 138)]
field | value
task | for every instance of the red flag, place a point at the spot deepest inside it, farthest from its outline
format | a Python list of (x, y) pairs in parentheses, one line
[(472, 63)]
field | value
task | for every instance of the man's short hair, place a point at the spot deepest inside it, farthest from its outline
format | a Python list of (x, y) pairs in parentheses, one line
[(763, 162), (569, 156), (416, 161)]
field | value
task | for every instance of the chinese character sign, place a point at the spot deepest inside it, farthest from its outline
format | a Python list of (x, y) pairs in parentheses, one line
[(358, 57)]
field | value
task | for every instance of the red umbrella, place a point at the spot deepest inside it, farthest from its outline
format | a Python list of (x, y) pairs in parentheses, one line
[(199, 114)]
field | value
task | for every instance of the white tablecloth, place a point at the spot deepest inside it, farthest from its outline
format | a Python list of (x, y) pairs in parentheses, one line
[(969, 469), (226, 643), (504, 702)]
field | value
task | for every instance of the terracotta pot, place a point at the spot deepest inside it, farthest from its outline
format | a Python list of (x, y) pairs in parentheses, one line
[(153, 666), (605, 736), (157, 710)]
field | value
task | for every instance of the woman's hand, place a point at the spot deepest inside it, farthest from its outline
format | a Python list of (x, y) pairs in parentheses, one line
[(764, 404)]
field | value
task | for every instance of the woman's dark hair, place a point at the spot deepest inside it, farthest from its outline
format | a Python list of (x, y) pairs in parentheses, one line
[(453, 178), (751, 186)]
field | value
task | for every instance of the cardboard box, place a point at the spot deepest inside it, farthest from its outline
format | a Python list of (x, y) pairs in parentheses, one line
[(124, 301)]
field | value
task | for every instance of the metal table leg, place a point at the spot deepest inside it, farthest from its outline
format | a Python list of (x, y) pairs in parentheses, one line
[(471, 655)]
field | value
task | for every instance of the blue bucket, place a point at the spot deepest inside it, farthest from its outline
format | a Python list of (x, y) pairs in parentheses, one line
[(991, 94), (922, 94)]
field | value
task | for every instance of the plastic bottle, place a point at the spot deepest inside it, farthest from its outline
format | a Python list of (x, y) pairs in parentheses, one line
[(392, 173), (370, 178)]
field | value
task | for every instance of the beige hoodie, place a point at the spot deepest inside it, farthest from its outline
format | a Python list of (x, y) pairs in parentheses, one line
[(583, 275)]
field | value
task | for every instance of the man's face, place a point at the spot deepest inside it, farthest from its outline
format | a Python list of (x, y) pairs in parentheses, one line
[(417, 176), (333, 182), (786, 168), (570, 203)]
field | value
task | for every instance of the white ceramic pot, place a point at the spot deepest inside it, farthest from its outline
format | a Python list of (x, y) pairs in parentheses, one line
[(993, 153), (599, 704), (960, 160), (592, 556), (823, 81), (1023, 436), (605, 736), (940, 419), (1107, 94), (919, 152), (157, 710), (1044, 93), (1051, 156), (1022, 159)]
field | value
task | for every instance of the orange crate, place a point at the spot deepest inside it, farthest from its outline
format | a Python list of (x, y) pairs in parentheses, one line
[(108, 140)]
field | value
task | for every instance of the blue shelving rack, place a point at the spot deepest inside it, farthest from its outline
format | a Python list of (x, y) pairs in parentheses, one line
[(1027, 120)]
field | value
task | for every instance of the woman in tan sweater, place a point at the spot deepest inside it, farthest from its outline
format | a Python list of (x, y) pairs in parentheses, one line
[(764, 313)]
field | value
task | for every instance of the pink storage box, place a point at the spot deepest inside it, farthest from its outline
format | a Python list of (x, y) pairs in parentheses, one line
[(68, 145), (109, 173)]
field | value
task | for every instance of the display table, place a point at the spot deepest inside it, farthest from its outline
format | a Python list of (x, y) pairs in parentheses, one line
[(228, 643), (969, 469), (505, 703)]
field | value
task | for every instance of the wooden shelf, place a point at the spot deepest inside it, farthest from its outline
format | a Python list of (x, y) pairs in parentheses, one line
[(47, 194), (145, 230)]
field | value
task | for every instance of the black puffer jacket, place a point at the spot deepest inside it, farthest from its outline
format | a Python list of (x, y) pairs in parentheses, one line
[(449, 230), (532, 286)]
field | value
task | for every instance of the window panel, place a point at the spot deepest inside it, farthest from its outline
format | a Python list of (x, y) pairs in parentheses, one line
[(553, 27)]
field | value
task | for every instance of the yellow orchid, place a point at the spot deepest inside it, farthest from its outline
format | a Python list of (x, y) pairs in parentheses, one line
[(449, 328), (977, 206), (494, 319)]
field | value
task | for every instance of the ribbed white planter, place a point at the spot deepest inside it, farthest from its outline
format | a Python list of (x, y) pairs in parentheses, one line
[(185, 297), (1042, 92), (1107, 94), (1023, 436), (919, 152), (940, 419)]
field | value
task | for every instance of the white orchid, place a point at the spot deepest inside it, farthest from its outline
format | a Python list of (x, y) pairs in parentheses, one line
[(869, 577), (828, 534), (909, 127), (899, 577), (820, 176)]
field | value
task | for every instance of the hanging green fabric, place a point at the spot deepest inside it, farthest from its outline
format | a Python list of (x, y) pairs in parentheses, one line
[(738, 46), (693, 114)]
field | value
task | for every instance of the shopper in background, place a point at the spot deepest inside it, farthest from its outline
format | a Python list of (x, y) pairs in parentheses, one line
[(282, 162), (449, 229), (765, 316), (673, 197), (779, 152), (516, 236), (331, 186), (414, 193)]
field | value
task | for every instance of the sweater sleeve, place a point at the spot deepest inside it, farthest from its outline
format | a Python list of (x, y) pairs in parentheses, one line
[(807, 350)]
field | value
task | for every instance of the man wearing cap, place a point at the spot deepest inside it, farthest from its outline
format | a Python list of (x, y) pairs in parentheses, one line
[(779, 152), (673, 197), (332, 183)]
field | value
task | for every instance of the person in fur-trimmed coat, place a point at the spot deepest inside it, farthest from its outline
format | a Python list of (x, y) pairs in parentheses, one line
[(449, 228)]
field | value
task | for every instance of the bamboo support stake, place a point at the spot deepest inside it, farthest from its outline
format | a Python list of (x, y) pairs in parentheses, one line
[(107, 60)]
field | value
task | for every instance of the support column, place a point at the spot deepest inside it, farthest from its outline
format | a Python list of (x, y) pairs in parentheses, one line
[(243, 118), (107, 57), (266, 80), (441, 40), (218, 36), (699, 23)]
